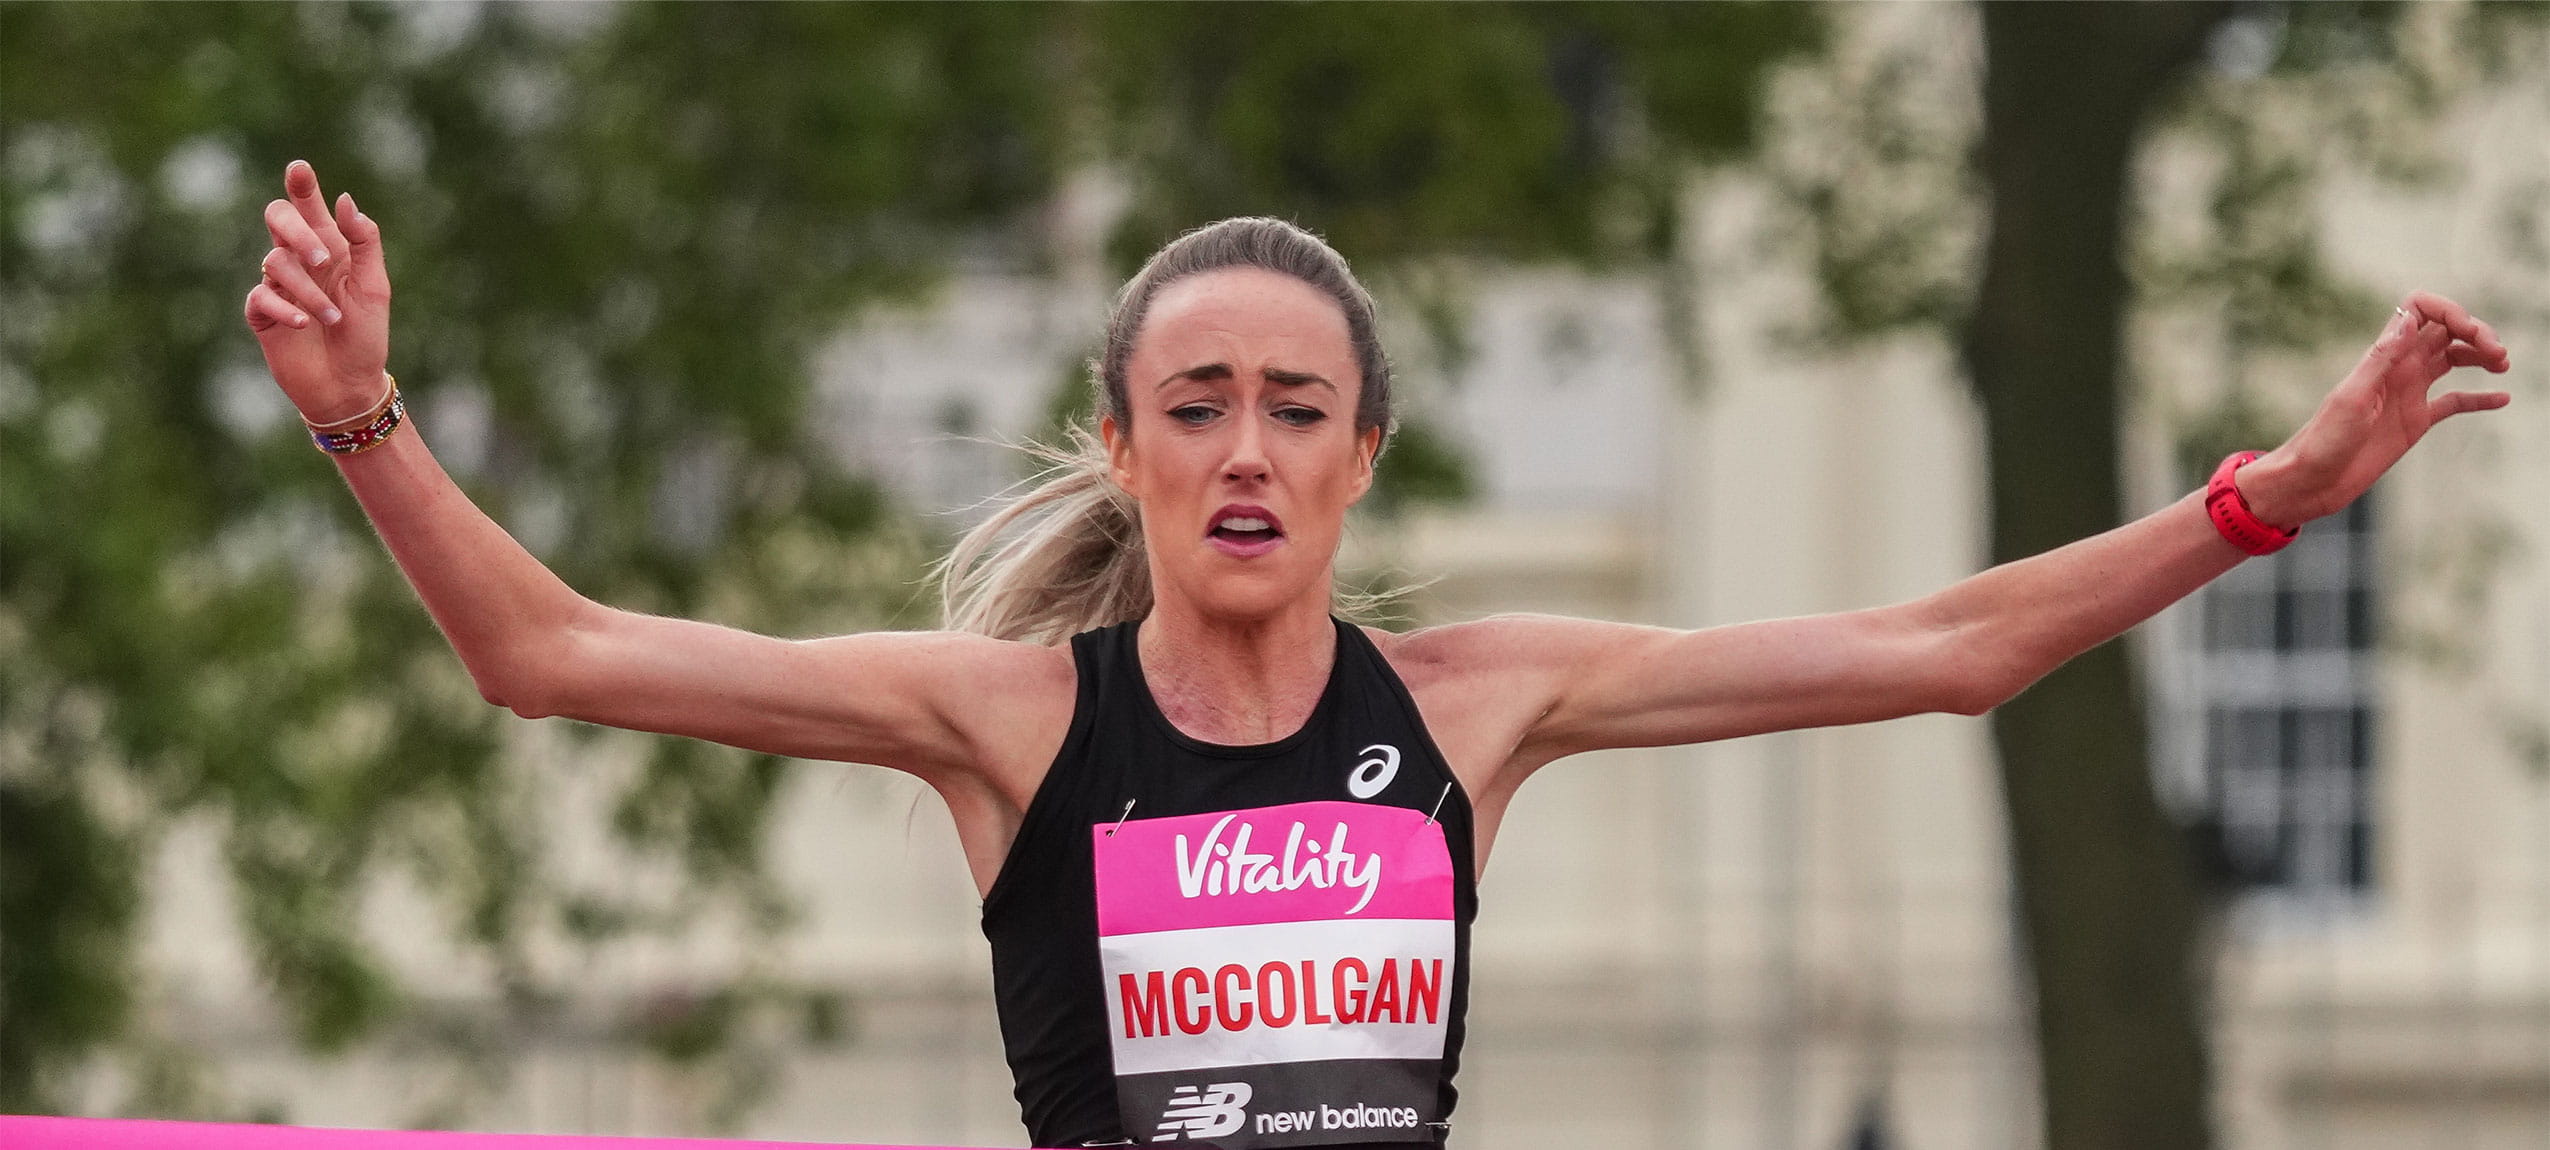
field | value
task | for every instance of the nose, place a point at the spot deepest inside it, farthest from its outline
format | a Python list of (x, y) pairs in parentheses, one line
[(1247, 461)]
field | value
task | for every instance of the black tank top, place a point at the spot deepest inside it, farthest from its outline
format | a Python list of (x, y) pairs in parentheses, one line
[(1257, 993)]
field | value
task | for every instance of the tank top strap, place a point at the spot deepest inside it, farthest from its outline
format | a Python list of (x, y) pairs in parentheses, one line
[(1372, 670)]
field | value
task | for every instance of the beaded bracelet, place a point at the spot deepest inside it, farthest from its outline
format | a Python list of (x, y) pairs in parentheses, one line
[(373, 426)]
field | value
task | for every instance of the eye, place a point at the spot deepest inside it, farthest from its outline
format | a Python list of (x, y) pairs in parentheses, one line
[(1193, 414), (1300, 416)]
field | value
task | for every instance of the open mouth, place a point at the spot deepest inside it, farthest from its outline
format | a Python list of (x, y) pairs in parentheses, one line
[(1245, 530)]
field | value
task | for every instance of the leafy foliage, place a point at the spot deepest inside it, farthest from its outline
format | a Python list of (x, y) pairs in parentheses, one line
[(615, 243), (1511, 130), (615, 233)]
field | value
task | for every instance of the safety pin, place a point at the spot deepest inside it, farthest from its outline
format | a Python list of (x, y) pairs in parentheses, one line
[(1128, 813), (1438, 803)]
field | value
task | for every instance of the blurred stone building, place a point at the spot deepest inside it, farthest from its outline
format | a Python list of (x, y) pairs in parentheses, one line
[(1762, 942)]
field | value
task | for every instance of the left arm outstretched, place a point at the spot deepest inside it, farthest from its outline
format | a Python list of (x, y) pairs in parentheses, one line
[(1973, 645)]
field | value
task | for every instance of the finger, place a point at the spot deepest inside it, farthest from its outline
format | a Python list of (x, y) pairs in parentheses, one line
[(268, 310), (288, 277), (293, 346), (363, 241), (2500, 361), (2432, 341), (2454, 403), (2456, 319), (2416, 343), (2397, 341), (301, 184), (2487, 340), (2464, 355), (293, 234)]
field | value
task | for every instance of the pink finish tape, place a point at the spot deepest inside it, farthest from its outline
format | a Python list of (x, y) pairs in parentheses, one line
[(19, 1133)]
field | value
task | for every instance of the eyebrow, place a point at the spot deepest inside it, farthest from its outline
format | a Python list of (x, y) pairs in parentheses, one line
[(1214, 372)]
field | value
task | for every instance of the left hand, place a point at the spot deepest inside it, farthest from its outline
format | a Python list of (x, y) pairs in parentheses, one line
[(2380, 411)]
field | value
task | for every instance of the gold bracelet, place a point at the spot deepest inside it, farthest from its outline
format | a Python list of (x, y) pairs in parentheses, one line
[(369, 414)]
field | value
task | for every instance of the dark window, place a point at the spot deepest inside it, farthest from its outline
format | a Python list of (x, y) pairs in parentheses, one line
[(2278, 692)]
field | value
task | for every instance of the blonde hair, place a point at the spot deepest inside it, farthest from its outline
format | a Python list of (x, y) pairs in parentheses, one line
[(1066, 555)]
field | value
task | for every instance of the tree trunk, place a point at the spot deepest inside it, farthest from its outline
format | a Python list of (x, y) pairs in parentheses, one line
[(2107, 896)]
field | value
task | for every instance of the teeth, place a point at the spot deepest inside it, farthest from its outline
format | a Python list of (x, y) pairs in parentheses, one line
[(1242, 523)]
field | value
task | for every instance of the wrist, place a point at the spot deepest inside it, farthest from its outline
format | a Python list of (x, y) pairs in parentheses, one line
[(2230, 512), (364, 431), (350, 406), (2272, 491), (354, 407)]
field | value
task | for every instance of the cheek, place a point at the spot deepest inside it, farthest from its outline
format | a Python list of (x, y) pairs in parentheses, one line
[(1155, 461), (1330, 478)]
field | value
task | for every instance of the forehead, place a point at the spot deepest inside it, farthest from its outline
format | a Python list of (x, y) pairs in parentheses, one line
[(1245, 317)]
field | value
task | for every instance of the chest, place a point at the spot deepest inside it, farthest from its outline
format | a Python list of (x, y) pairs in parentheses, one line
[(1222, 714)]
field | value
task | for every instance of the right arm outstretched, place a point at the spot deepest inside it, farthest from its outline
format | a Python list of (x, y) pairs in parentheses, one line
[(913, 701)]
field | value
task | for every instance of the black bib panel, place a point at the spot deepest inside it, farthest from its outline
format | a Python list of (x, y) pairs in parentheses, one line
[(1363, 742)]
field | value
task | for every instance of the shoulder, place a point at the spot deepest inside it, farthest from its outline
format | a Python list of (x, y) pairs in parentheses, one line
[(1483, 687), (999, 669), (1499, 645), (1517, 665), (1003, 704), (998, 663), (1502, 663)]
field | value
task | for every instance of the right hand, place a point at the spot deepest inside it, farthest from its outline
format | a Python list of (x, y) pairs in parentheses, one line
[(330, 370)]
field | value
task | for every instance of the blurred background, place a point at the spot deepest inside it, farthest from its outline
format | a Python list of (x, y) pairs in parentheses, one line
[(1705, 313)]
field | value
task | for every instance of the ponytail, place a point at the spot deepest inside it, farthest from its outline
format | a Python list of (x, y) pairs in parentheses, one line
[(1063, 558)]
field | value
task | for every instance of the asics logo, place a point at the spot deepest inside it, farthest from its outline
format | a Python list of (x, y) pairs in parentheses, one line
[(1205, 1112), (1375, 772)]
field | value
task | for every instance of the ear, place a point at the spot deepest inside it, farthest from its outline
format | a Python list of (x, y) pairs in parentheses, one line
[(1119, 454), (1367, 450)]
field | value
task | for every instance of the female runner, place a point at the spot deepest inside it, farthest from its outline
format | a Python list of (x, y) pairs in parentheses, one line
[(1226, 843)]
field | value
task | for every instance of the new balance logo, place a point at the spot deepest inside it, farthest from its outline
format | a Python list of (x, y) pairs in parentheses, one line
[(1205, 1112)]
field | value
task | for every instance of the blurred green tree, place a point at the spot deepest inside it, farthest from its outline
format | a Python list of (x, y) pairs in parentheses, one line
[(2112, 907), (616, 232)]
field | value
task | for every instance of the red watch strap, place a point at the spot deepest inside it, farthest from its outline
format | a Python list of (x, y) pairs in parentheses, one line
[(2231, 514)]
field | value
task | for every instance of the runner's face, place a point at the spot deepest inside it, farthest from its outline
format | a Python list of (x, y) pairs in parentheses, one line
[(1243, 452)]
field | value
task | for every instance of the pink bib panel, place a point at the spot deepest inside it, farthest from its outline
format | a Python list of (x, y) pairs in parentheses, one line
[(1277, 976)]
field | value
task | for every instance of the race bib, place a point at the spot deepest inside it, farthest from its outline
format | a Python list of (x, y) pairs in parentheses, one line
[(1278, 976)]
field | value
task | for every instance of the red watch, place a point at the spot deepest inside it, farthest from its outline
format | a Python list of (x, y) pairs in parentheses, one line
[(2231, 514)]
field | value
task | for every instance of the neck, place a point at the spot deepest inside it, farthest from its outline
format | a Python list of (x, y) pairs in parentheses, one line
[(1236, 681)]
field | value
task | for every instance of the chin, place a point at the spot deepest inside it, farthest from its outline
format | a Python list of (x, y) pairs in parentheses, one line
[(1248, 600), (1251, 594)]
